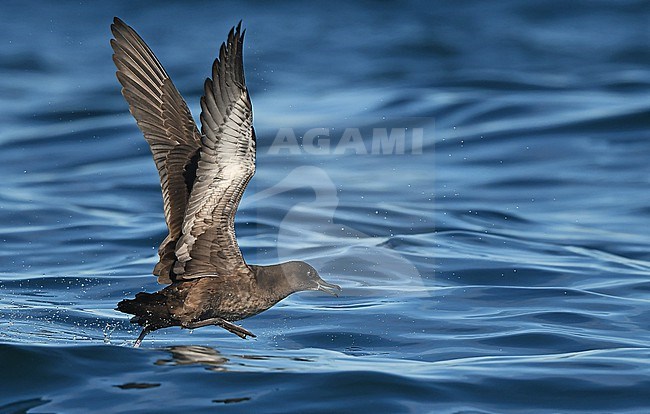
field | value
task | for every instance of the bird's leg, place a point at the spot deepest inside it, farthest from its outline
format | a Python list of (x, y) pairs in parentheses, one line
[(230, 327), (144, 333)]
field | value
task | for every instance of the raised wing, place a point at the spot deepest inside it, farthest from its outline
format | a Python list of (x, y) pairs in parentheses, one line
[(208, 245), (168, 127)]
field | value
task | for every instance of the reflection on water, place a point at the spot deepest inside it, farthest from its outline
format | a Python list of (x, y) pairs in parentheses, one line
[(213, 360), (195, 355), (137, 386), (232, 400)]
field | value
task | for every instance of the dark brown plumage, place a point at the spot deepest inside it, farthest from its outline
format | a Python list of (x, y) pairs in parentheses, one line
[(202, 176)]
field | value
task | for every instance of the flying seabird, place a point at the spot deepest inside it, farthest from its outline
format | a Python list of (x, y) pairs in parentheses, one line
[(203, 175)]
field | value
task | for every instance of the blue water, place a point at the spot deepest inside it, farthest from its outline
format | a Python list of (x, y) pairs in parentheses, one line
[(500, 267)]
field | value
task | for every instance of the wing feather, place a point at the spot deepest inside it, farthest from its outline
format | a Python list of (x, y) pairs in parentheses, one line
[(167, 125), (208, 245)]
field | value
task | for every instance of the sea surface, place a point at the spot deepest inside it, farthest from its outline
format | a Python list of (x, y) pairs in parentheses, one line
[(475, 175)]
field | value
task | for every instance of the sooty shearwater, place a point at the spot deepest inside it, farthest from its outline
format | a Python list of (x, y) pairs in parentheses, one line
[(203, 175)]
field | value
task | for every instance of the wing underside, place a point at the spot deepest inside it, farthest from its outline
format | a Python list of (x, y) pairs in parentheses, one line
[(226, 165)]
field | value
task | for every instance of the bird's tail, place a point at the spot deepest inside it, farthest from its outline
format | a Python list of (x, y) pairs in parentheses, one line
[(148, 309)]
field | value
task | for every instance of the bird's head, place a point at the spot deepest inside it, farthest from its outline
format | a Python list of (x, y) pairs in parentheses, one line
[(302, 276)]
